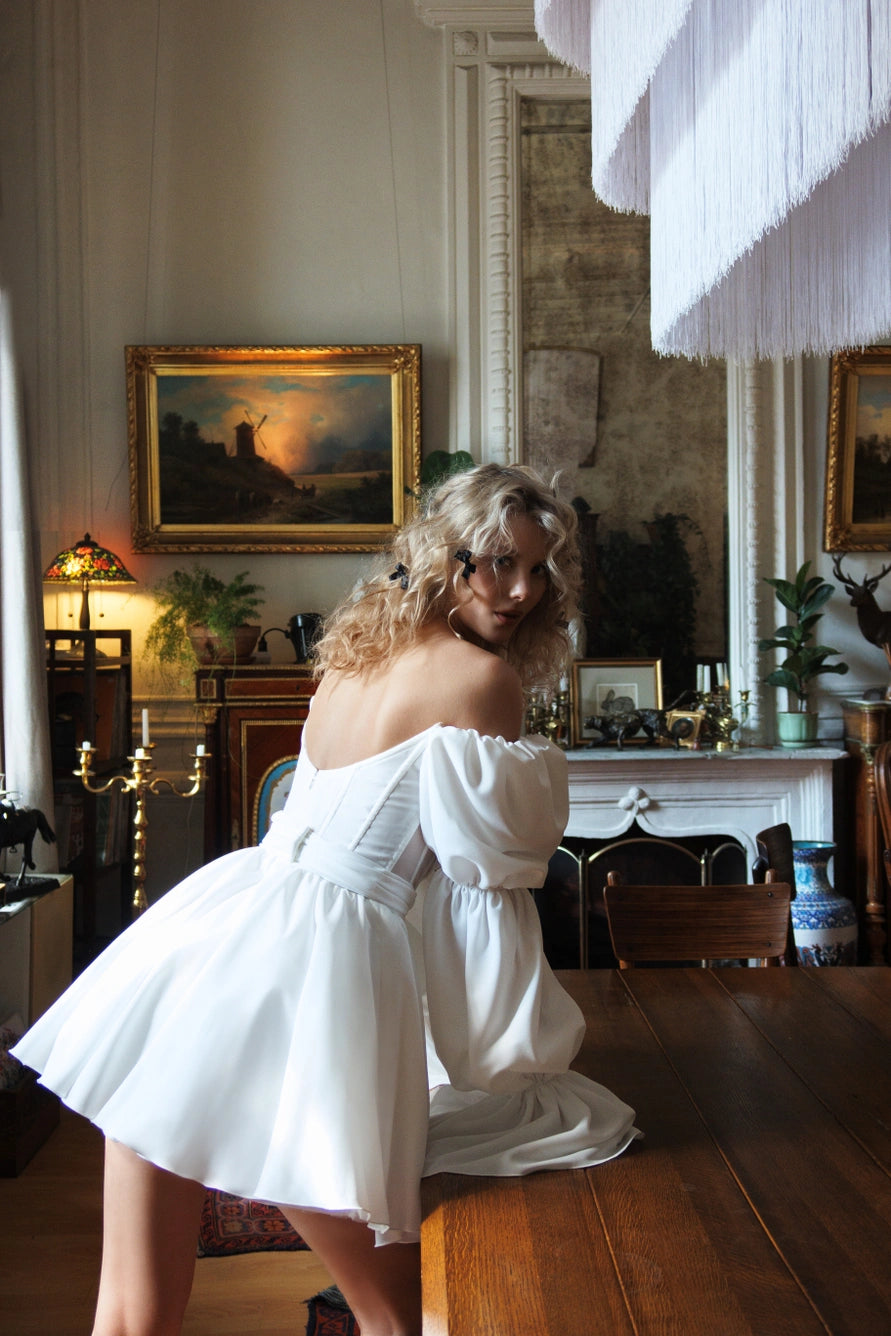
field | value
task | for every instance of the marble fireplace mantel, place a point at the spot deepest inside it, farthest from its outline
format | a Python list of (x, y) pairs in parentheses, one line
[(674, 794)]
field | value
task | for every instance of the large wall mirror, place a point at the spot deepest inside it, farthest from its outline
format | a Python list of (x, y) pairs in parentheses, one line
[(640, 439)]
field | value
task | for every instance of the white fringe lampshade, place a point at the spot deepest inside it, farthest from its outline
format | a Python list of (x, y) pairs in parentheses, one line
[(756, 135)]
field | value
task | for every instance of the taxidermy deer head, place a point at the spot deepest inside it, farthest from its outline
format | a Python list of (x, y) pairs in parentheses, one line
[(874, 624)]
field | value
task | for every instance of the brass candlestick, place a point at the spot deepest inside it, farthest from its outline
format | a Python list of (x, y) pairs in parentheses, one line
[(139, 783)]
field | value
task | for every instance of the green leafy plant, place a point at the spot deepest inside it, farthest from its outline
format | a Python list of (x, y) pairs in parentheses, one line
[(439, 465), (197, 597), (804, 661)]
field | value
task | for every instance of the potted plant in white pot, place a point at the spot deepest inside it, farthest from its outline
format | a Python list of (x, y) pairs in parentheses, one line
[(804, 660), (203, 619)]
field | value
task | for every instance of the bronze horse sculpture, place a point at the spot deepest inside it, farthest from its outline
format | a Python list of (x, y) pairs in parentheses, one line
[(20, 826)]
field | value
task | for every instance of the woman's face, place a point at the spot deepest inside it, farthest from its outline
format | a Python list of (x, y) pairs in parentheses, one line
[(505, 586)]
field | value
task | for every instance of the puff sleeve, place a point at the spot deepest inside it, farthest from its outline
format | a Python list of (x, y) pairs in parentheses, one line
[(493, 813)]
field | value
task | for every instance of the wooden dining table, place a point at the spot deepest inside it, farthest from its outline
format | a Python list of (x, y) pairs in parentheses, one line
[(758, 1202)]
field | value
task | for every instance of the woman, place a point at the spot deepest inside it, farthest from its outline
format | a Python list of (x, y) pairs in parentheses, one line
[(261, 1029)]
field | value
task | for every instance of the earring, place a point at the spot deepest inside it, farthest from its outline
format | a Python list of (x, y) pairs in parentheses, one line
[(400, 574), (463, 554), (456, 634)]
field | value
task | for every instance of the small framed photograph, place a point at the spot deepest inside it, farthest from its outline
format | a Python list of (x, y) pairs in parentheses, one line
[(272, 449), (612, 686), (858, 457), (684, 726)]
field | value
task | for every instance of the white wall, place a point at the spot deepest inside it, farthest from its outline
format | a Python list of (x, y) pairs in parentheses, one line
[(217, 171)]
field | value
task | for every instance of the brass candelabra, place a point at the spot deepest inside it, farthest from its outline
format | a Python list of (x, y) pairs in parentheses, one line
[(718, 723), (140, 783), (550, 719)]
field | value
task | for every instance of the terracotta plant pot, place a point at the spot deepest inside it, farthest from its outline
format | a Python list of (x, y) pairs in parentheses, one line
[(797, 728), (209, 649)]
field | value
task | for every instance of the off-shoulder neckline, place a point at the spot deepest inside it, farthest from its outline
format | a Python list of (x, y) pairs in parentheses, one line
[(414, 740)]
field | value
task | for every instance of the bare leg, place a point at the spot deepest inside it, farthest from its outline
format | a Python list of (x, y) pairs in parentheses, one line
[(150, 1236), (381, 1285)]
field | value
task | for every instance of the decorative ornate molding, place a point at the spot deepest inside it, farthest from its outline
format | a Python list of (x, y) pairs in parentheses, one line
[(489, 337), (635, 801), (470, 11)]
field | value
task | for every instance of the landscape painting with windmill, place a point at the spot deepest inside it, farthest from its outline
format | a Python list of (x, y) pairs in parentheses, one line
[(312, 449)]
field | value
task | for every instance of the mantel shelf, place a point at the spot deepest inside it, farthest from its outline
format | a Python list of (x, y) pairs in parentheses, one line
[(676, 793), (636, 754)]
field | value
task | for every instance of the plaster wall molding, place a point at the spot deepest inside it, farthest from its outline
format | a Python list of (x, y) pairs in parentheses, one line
[(485, 245), (471, 12)]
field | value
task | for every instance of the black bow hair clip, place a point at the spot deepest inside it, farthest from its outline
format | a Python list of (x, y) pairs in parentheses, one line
[(400, 574), (463, 554)]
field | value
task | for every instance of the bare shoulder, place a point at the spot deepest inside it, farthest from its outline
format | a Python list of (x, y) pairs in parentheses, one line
[(481, 692), (440, 681)]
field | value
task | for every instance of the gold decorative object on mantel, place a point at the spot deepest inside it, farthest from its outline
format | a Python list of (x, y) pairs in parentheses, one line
[(140, 783), (550, 718), (718, 722)]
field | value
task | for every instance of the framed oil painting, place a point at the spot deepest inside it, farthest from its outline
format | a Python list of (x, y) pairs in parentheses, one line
[(610, 686), (314, 449), (858, 458)]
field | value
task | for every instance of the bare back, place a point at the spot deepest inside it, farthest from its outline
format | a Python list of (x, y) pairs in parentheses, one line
[(439, 680)]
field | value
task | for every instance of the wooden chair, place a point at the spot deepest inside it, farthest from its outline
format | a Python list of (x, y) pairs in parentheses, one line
[(672, 923), (775, 851), (637, 860), (882, 776)]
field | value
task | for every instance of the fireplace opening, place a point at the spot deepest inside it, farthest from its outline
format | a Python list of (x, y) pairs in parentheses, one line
[(570, 904)]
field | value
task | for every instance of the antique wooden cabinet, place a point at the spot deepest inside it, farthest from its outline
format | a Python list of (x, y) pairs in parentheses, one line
[(867, 724), (253, 717), (90, 698)]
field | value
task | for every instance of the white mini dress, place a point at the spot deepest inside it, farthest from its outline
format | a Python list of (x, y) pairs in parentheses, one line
[(357, 1002)]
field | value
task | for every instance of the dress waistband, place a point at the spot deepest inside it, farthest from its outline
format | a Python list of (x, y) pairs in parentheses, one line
[(345, 867)]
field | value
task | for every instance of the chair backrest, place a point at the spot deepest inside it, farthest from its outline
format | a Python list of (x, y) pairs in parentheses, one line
[(775, 851), (636, 859), (671, 923)]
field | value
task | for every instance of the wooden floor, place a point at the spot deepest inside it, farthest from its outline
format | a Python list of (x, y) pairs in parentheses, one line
[(50, 1231)]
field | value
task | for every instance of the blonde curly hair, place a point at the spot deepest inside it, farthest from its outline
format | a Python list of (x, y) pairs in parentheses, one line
[(417, 579)]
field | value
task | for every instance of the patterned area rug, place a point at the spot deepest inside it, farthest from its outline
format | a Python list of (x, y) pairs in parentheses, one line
[(232, 1225), (329, 1315)]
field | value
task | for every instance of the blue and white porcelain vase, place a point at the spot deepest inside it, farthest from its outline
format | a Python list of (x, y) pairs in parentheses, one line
[(824, 921)]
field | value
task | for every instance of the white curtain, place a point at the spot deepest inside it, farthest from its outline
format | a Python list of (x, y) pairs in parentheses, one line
[(756, 135), (24, 724)]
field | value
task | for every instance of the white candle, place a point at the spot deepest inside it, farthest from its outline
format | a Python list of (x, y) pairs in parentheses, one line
[(199, 750), (86, 746), (145, 728), (139, 754)]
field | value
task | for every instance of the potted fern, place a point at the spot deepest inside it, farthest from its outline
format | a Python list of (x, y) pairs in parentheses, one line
[(203, 619), (804, 661)]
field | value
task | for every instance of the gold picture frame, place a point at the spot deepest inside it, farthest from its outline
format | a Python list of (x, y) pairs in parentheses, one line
[(858, 478), (593, 680), (248, 449)]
